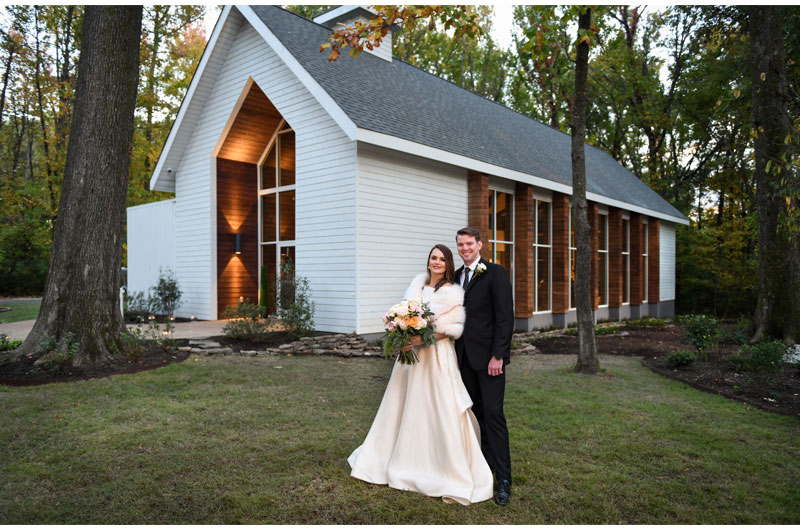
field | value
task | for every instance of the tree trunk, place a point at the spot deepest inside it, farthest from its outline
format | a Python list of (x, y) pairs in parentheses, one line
[(9, 63), (81, 298), (63, 114), (777, 312), (151, 81), (40, 100), (587, 349)]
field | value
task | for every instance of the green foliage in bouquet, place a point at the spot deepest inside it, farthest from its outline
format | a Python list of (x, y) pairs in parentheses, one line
[(404, 321)]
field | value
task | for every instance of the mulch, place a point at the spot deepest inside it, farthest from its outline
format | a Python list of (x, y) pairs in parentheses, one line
[(778, 392), (23, 372)]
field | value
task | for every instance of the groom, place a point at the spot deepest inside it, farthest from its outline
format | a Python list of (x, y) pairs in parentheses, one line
[(484, 349)]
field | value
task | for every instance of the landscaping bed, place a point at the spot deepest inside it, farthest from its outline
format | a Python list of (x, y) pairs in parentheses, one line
[(23, 372), (775, 392), (778, 392)]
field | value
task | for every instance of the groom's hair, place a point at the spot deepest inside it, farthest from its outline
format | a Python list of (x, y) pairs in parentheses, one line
[(469, 231)]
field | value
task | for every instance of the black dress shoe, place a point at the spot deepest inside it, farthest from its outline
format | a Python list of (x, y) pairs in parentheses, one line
[(503, 494)]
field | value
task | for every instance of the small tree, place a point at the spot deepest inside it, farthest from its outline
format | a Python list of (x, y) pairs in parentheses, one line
[(167, 292), (293, 301)]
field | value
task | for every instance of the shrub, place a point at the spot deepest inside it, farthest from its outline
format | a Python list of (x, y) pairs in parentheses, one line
[(607, 330), (245, 322), (137, 304), (166, 293), (161, 299), (136, 342), (646, 322), (680, 358), (702, 332), (762, 357), (294, 305), (7, 344), (264, 290), (737, 333), (598, 330)]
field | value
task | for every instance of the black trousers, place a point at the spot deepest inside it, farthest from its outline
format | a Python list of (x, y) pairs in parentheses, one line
[(487, 394)]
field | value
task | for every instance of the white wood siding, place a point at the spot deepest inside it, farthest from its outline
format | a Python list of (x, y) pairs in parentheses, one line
[(667, 258), (325, 197), (406, 204), (199, 99), (151, 237)]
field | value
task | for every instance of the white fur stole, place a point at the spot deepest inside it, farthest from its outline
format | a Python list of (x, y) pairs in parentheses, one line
[(447, 305)]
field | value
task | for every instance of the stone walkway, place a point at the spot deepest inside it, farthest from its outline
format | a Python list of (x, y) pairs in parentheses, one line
[(198, 329)]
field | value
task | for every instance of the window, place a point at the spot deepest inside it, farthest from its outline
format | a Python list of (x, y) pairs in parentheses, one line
[(501, 235), (602, 265), (644, 262), (572, 258), (277, 204), (542, 256), (626, 261)]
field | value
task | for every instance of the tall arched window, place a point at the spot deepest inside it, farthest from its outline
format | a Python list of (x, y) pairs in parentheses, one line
[(602, 254), (626, 261), (277, 204), (645, 262), (542, 255)]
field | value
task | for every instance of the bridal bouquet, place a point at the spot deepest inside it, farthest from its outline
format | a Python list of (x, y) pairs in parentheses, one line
[(403, 321)]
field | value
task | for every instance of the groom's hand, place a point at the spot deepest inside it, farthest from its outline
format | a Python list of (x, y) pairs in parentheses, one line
[(495, 366)]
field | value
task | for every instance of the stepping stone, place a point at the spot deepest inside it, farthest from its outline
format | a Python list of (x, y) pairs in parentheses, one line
[(204, 344)]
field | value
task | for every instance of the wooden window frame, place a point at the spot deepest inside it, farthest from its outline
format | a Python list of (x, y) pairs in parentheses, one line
[(492, 239)]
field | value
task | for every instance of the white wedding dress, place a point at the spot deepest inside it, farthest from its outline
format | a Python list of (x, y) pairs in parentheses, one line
[(425, 437)]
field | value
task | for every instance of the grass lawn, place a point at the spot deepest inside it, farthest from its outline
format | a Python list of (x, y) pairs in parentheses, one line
[(265, 440), (27, 310)]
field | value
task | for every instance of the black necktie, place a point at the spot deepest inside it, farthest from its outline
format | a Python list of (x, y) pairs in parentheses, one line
[(467, 270)]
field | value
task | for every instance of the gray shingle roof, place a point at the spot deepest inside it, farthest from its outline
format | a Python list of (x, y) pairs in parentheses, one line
[(404, 101)]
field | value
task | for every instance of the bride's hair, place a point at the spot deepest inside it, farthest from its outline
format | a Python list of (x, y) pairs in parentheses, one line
[(449, 269)]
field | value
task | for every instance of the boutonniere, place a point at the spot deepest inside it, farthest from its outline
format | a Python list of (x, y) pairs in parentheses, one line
[(480, 269)]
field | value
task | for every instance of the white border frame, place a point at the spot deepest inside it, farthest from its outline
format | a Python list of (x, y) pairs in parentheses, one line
[(536, 246), (600, 253)]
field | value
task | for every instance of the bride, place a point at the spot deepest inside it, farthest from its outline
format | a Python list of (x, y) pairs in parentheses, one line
[(425, 437)]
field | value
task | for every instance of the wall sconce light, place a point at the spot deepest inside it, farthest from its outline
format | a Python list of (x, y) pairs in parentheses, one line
[(237, 244)]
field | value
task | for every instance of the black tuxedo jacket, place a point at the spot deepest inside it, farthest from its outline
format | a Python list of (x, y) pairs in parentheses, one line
[(488, 302)]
